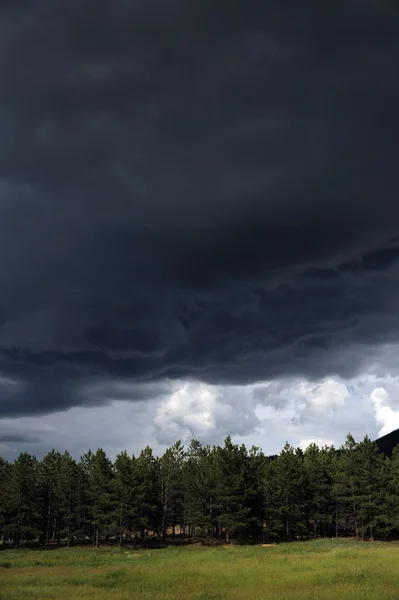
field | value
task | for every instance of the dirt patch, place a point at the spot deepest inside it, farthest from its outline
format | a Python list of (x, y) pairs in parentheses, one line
[(228, 546), (268, 545)]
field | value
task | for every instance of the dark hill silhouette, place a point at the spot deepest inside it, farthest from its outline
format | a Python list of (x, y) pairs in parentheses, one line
[(387, 443)]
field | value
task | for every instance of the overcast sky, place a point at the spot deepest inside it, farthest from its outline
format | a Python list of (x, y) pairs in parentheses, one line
[(199, 222)]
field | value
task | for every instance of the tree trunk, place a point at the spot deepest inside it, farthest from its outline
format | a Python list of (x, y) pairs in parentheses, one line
[(54, 529), (354, 509), (120, 526), (287, 527), (69, 529), (97, 537), (164, 518), (336, 522), (371, 523)]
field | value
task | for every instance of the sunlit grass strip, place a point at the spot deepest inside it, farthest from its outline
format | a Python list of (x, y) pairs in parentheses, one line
[(325, 569)]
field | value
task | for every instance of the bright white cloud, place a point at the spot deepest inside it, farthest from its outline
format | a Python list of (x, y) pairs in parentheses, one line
[(205, 412), (318, 441), (303, 411), (326, 396), (266, 415), (386, 417)]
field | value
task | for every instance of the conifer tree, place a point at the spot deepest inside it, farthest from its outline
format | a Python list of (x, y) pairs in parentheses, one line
[(318, 463), (346, 488), (25, 516), (69, 494), (196, 489), (5, 497), (170, 470), (291, 486), (123, 493), (148, 492), (224, 491), (390, 509), (371, 496), (99, 470), (50, 495), (255, 473), (230, 465)]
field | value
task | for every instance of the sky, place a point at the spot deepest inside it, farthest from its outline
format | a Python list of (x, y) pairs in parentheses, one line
[(199, 223)]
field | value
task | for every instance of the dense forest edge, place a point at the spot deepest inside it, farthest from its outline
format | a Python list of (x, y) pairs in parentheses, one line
[(197, 493)]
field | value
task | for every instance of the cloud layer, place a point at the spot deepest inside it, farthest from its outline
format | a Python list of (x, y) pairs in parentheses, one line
[(193, 191), (266, 415)]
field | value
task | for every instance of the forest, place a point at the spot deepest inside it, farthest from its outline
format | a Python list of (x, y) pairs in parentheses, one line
[(214, 494)]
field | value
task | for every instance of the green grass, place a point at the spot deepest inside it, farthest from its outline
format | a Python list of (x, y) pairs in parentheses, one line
[(315, 570)]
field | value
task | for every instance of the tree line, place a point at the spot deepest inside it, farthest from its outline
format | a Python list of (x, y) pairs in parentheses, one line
[(201, 492)]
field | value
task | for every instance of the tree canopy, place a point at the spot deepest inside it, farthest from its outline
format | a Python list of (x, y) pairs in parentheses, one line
[(215, 493)]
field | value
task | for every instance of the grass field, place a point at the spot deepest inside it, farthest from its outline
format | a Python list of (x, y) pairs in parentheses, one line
[(314, 570)]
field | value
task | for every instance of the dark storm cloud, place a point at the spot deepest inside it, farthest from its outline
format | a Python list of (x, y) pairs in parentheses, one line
[(194, 189), (18, 438)]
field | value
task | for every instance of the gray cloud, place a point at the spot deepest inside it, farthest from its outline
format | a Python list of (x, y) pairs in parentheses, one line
[(191, 191), (296, 410), (18, 437)]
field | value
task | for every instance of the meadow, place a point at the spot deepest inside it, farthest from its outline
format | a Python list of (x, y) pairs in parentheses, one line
[(311, 570)]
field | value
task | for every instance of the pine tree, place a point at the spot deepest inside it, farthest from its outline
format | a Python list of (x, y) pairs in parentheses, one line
[(171, 464), (346, 488), (390, 509), (25, 516), (224, 491), (123, 493), (196, 489), (255, 472), (371, 496), (291, 492), (68, 491), (271, 494), (50, 495), (318, 463), (230, 492), (99, 470), (148, 493), (5, 498)]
